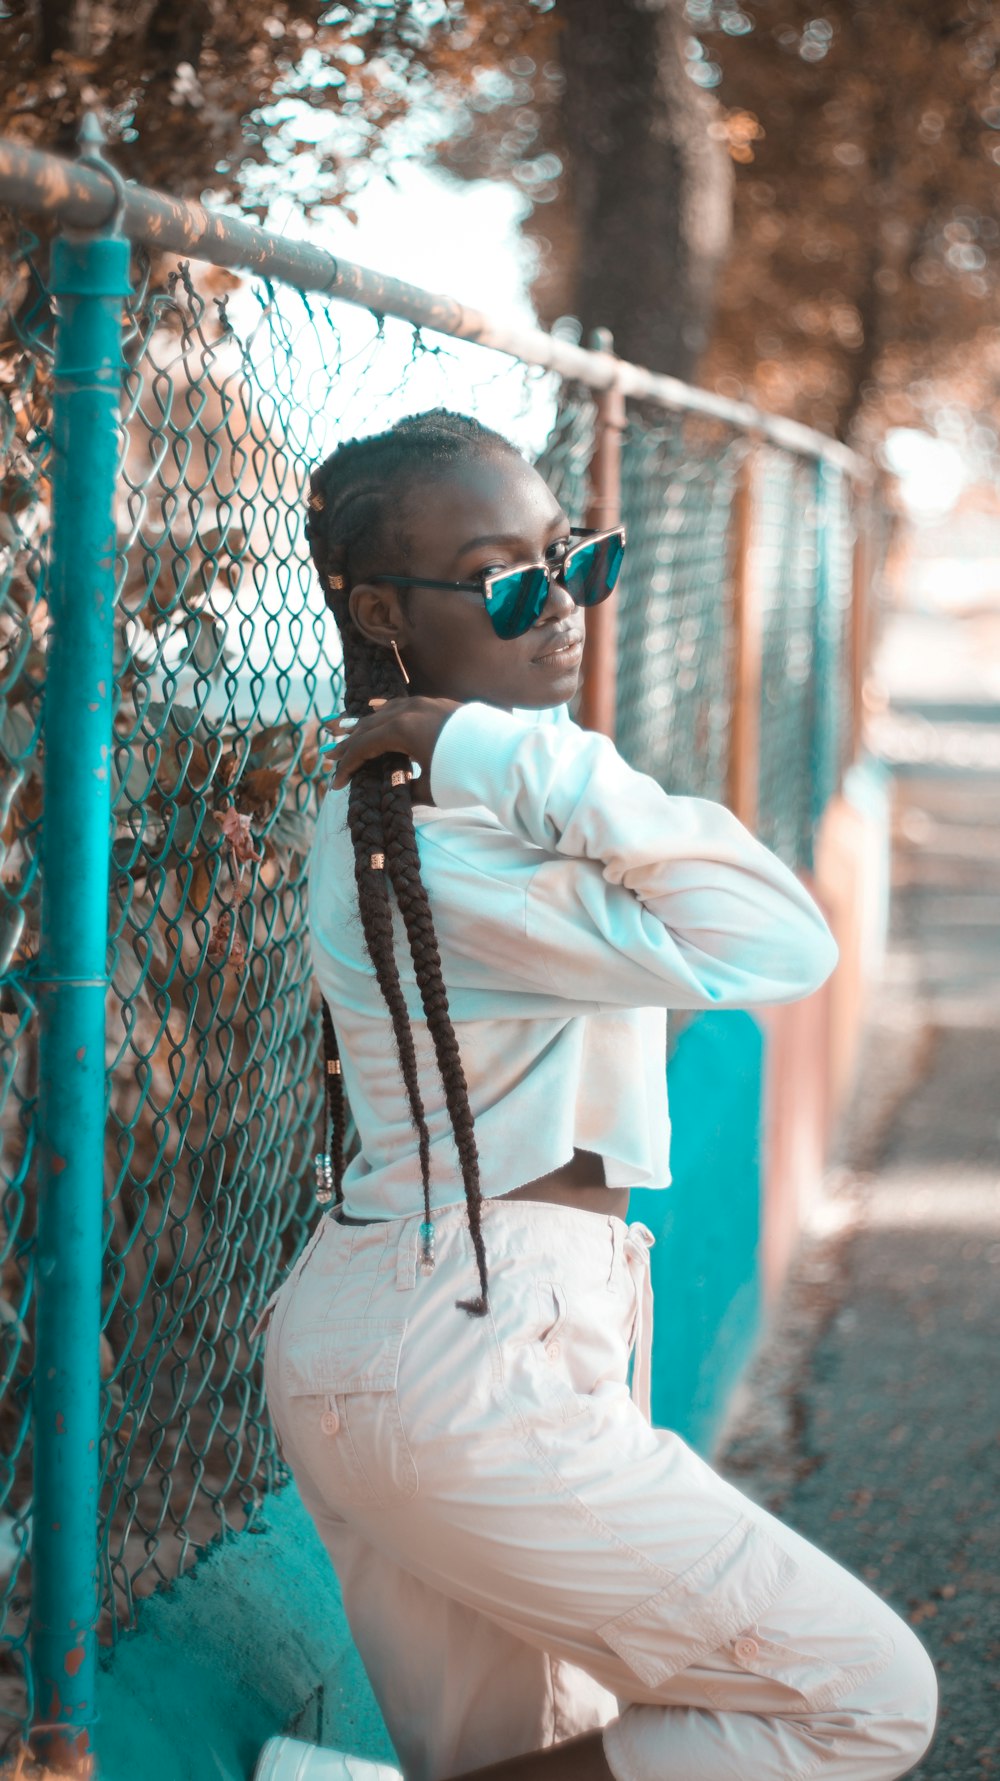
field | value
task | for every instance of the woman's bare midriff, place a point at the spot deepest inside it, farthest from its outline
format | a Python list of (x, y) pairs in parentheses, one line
[(577, 1183)]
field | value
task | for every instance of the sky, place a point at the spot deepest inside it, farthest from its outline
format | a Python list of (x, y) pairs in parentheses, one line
[(459, 239)]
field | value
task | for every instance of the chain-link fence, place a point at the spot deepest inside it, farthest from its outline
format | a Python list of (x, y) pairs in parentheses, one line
[(224, 665)]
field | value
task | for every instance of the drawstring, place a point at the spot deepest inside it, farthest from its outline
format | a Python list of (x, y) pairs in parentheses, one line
[(637, 1246)]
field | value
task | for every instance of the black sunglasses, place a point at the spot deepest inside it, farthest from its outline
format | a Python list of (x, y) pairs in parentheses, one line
[(514, 597)]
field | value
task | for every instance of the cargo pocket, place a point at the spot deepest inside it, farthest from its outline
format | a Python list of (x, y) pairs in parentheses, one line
[(813, 1652), (703, 1608), (339, 1382)]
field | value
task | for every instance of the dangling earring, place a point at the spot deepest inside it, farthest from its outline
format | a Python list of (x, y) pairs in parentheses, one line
[(399, 659)]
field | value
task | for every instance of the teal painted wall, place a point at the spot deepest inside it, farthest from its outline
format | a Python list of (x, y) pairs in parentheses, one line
[(250, 1643), (706, 1288)]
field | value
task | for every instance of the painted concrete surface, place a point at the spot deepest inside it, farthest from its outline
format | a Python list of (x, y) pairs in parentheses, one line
[(250, 1643), (705, 1265)]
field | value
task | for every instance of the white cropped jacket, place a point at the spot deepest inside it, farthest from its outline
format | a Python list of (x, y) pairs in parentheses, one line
[(574, 902)]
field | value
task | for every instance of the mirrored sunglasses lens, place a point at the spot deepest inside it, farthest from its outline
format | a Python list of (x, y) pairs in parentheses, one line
[(592, 570), (516, 601)]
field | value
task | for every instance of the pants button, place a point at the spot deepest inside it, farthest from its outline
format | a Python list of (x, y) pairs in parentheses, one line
[(553, 1350), (329, 1422), (746, 1647)]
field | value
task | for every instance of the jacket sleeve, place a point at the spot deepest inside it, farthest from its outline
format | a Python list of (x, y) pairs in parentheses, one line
[(630, 896)]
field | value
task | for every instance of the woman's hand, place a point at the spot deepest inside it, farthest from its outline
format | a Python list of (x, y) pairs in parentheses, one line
[(406, 725)]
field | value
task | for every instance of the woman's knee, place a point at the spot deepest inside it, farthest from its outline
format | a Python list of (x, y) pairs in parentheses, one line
[(901, 1711)]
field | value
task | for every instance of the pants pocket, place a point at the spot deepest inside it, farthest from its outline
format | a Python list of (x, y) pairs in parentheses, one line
[(812, 1651), (704, 1607), (336, 1385)]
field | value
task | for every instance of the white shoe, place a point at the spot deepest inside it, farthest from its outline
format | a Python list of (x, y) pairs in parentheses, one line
[(289, 1759)]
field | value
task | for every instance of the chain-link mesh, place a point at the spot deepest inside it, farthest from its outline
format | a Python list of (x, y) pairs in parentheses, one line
[(25, 420), (783, 577), (226, 663), (674, 618)]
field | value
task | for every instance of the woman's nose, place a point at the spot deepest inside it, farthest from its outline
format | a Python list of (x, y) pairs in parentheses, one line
[(558, 601)]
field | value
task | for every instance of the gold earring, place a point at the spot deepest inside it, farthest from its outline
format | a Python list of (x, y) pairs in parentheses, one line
[(399, 659)]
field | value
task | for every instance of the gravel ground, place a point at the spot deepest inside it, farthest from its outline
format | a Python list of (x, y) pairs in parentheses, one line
[(871, 1418)]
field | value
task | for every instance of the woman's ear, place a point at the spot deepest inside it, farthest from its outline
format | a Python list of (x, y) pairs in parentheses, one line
[(376, 612)]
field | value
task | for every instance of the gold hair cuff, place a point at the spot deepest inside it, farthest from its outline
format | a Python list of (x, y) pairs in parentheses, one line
[(377, 861), (336, 583), (401, 775), (333, 1066), (317, 503)]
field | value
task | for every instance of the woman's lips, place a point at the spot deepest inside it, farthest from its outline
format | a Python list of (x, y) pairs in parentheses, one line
[(564, 656)]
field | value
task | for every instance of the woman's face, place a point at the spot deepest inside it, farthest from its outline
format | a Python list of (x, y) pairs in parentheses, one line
[(489, 512)]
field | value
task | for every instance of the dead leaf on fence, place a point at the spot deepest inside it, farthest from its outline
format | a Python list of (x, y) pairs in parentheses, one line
[(274, 747), (200, 889), (235, 826), (225, 945)]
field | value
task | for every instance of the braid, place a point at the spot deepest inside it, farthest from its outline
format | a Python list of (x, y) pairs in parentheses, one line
[(404, 867), (334, 1100), (352, 494)]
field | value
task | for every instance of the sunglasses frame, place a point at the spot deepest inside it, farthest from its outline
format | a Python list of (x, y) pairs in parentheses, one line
[(484, 585)]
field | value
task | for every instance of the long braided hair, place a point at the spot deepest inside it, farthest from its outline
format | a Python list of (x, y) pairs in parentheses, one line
[(353, 495)]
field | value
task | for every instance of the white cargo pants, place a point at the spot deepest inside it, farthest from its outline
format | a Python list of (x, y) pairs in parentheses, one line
[(524, 1558)]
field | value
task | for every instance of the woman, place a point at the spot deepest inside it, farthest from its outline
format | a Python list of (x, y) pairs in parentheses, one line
[(535, 1578)]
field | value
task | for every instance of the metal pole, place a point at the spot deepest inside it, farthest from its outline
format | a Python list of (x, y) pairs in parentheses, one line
[(89, 281), (743, 789), (600, 664)]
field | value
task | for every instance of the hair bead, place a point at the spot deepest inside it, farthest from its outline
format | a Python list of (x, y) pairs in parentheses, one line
[(333, 1066), (336, 583), (376, 861), (317, 503), (400, 776), (323, 1165)]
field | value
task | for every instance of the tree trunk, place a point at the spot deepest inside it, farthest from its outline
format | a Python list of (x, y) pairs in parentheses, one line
[(648, 191)]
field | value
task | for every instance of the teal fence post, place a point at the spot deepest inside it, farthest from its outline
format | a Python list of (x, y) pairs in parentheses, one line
[(89, 281)]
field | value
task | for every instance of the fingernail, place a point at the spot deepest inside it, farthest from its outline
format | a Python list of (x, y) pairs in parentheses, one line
[(347, 723)]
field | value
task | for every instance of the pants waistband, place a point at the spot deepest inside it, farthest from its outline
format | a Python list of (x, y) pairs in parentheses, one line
[(636, 1242)]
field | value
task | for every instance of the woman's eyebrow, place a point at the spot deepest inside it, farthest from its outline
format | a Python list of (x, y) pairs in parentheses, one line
[(559, 524)]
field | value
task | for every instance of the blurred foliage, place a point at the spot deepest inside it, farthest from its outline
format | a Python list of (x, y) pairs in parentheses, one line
[(850, 280), (187, 86), (859, 290), (601, 127), (863, 276)]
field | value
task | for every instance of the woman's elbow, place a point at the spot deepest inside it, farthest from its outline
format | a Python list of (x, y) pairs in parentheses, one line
[(810, 966)]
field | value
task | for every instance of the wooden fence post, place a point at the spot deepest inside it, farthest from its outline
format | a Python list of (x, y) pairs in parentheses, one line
[(600, 656), (861, 570)]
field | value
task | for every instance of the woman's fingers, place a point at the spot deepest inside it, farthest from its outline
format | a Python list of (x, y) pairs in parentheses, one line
[(361, 739)]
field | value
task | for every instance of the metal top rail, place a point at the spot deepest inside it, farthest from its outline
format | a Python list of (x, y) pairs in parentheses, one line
[(93, 197)]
